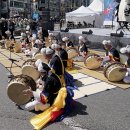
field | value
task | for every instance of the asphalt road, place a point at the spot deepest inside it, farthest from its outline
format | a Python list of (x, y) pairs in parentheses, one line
[(109, 110)]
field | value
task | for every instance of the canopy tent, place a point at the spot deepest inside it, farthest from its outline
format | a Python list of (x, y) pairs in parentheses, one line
[(81, 14), (81, 11), (84, 14), (97, 6)]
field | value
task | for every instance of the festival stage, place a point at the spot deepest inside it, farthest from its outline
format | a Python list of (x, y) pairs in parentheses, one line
[(95, 39)]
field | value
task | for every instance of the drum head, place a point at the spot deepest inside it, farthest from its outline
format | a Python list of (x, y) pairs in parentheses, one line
[(115, 75), (17, 47), (16, 87), (29, 70), (107, 65), (15, 93), (112, 71), (41, 57), (72, 52), (91, 61)]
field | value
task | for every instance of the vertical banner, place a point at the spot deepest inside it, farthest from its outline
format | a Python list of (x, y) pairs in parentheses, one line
[(109, 11)]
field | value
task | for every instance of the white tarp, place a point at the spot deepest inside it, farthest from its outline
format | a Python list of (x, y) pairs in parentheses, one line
[(85, 14), (81, 11), (97, 6), (80, 15)]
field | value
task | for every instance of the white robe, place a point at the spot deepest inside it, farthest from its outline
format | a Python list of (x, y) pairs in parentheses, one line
[(127, 77)]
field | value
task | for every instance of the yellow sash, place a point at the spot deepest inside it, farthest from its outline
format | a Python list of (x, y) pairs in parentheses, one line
[(39, 121)]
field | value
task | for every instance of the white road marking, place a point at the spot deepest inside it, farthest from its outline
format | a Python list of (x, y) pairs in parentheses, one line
[(72, 124)]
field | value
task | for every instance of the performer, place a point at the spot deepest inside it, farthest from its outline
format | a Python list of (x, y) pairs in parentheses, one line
[(11, 27), (55, 62), (43, 99), (4, 27), (69, 80), (111, 52), (61, 53), (126, 51), (83, 48), (52, 39), (67, 42)]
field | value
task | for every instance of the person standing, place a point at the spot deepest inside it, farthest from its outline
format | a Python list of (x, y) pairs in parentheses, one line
[(4, 27), (11, 28)]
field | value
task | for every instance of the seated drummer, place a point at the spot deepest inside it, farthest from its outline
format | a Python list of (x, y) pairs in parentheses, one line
[(43, 99), (111, 52), (67, 42), (54, 61), (82, 47), (52, 39), (62, 53), (69, 80), (126, 51)]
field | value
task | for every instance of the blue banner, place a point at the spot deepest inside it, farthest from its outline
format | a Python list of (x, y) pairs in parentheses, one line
[(35, 16), (109, 10)]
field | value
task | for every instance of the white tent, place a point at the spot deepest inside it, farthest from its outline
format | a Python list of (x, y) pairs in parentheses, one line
[(81, 11), (97, 6), (81, 14)]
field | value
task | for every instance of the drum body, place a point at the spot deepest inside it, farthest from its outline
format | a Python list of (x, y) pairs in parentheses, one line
[(17, 47), (28, 68), (91, 61), (2, 44), (7, 44), (72, 52), (70, 63), (41, 57), (112, 71), (16, 87)]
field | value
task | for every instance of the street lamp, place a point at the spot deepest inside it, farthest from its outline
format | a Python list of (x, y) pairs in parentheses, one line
[(48, 10)]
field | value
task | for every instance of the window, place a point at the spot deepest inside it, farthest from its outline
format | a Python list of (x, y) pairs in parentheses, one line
[(43, 1), (11, 3), (18, 4)]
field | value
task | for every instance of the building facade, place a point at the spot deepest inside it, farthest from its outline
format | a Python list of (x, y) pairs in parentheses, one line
[(10, 8), (20, 7), (0, 8), (49, 7), (4, 8)]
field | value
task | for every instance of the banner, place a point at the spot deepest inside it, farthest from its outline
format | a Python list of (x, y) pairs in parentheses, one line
[(35, 16), (109, 10)]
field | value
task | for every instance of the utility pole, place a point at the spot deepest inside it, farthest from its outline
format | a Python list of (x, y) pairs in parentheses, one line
[(48, 9), (8, 8), (0, 8)]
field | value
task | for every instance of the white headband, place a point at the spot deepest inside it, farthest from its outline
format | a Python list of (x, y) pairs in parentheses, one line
[(65, 39), (38, 62), (43, 51), (125, 49), (40, 68), (55, 46), (49, 51)]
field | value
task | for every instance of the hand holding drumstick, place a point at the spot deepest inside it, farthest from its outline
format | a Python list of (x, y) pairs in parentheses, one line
[(28, 92)]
